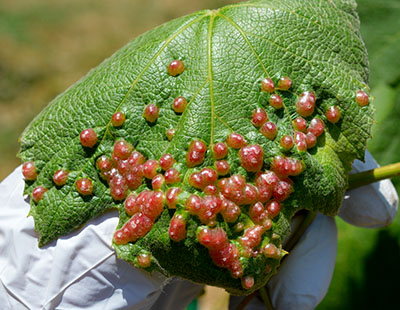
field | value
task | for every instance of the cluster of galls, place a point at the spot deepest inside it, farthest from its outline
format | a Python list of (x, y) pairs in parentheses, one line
[(216, 193), (261, 202), (126, 168), (226, 253), (83, 185), (230, 196), (223, 253), (145, 207), (306, 134)]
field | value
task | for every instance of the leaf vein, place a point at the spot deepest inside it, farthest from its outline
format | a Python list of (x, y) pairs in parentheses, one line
[(210, 76)]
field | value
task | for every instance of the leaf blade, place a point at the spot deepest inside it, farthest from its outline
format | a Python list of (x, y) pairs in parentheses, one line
[(227, 53)]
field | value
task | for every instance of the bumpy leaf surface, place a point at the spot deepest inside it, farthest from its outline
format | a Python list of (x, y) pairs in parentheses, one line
[(226, 53)]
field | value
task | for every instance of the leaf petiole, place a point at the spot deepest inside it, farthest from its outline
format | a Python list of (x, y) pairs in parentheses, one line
[(374, 175), (266, 298)]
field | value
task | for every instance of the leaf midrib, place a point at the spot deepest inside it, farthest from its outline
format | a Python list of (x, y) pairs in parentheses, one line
[(210, 74)]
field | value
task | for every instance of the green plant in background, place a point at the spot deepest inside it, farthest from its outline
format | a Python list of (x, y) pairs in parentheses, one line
[(47, 46), (367, 267)]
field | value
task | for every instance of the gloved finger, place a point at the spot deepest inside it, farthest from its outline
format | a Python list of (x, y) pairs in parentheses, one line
[(304, 276), (77, 271), (373, 205)]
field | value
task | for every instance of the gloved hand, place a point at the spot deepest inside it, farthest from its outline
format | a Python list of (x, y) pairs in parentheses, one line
[(81, 270)]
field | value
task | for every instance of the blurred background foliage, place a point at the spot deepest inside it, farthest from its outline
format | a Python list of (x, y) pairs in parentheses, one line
[(47, 45), (367, 268)]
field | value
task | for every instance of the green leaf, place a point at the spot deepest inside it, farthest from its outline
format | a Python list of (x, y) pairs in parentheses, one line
[(227, 53)]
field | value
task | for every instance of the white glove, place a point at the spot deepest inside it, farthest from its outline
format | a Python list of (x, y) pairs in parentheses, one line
[(79, 271), (82, 271)]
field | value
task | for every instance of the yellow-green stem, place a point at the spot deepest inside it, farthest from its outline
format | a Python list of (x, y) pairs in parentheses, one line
[(374, 175)]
